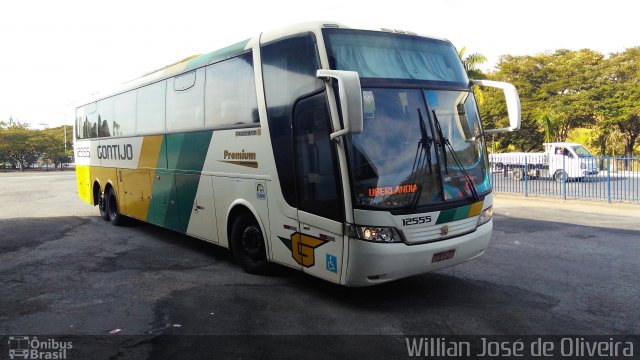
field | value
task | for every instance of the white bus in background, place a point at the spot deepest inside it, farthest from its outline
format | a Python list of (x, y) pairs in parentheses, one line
[(561, 161), (353, 155)]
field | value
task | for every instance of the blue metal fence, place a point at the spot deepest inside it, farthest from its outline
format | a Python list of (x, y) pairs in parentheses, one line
[(613, 180)]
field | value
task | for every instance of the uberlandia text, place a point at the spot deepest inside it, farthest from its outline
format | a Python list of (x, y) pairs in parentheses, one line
[(566, 346)]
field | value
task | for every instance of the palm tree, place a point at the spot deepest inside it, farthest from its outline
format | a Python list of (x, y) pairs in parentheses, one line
[(471, 63), (548, 120), (614, 139)]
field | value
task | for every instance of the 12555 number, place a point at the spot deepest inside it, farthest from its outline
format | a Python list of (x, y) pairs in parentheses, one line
[(417, 220)]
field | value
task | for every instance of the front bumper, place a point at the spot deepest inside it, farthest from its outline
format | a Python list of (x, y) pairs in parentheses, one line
[(374, 263)]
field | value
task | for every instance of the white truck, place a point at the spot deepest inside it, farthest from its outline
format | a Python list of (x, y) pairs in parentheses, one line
[(561, 161)]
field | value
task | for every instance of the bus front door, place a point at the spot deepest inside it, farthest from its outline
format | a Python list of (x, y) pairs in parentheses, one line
[(318, 244)]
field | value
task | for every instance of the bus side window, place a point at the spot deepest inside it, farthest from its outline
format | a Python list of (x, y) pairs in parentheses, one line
[(105, 116), (230, 92), (124, 114), (80, 125), (185, 101), (150, 108), (91, 120), (289, 69)]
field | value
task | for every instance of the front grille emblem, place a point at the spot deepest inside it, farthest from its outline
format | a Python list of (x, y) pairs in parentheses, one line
[(444, 230)]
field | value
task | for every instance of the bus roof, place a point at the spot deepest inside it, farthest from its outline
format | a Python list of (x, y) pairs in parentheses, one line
[(196, 61)]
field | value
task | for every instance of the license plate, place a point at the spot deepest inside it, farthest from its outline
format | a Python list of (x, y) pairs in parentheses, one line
[(444, 255)]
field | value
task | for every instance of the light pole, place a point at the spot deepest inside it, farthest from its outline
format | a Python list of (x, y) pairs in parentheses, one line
[(66, 111)]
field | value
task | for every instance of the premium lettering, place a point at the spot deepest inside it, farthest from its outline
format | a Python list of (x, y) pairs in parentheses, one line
[(241, 155)]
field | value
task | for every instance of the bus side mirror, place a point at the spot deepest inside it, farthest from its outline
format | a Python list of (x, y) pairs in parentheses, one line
[(513, 104), (350, 94)]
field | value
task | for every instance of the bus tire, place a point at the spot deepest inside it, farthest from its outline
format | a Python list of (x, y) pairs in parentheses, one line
[(102, 205), (248, 246), (113, 212)]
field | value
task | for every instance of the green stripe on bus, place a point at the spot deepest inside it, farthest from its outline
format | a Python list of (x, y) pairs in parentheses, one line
[(173, 193), (162, 206), (214, 56), (187, 151), (453, 214)]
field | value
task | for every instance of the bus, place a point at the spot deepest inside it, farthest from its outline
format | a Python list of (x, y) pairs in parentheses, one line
[(354, 155)]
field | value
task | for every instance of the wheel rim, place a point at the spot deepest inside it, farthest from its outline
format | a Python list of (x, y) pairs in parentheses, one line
[(252, 243)]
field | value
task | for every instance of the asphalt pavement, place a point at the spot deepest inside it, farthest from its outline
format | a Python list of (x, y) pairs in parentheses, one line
[(553, 267)]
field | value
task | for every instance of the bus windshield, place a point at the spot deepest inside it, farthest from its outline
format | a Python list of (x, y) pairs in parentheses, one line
[(421, 144), (394, 56), (399, 161)]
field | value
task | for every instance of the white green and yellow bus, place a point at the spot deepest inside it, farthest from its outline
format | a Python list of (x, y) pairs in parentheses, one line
[(357, 156)]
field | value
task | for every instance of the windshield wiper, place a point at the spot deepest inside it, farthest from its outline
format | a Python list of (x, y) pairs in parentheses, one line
[(444, 143), (422, 160)]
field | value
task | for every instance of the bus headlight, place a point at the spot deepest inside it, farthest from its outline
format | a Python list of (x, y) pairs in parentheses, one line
[(378, 234), (485, 215)]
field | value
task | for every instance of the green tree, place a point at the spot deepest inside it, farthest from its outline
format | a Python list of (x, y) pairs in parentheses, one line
[(549, 120), (19, 145), (555, 93), (617, 97), (471, 63), (53, 144)]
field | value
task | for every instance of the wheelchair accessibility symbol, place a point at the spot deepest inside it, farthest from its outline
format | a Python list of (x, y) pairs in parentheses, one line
[(332, 263)]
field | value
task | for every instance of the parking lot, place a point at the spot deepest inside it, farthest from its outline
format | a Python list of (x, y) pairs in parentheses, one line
[(553, 267)]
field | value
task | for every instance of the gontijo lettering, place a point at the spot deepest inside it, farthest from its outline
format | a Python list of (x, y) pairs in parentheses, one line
[(115, 152)]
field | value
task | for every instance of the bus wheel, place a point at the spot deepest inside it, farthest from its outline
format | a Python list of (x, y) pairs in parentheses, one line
[(113, 212), (247, 245), (102, 205)]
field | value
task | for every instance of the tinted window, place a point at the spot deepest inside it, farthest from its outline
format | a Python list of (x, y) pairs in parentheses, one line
[(185, 101), (105, 116), (318, 191), (386, 55), (231, 92), (289, 69), (80, 123), (150, 108), (90, 120), (124, 114)]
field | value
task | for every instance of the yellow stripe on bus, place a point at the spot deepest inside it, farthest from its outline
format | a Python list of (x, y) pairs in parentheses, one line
[(83, 177), (475, 209), (150, 152)]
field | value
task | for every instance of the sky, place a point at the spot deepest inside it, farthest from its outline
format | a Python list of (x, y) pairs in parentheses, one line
[(53, 53)]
